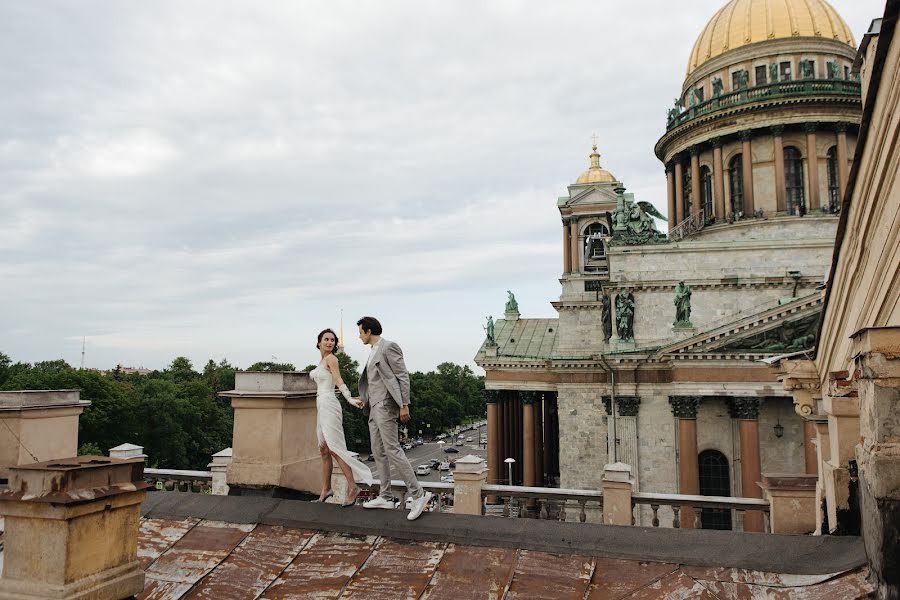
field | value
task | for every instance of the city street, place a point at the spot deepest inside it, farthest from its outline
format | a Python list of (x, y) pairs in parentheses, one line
[(423, 454)]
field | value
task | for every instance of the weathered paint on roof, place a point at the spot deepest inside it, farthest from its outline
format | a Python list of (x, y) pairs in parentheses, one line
[(210, 559)]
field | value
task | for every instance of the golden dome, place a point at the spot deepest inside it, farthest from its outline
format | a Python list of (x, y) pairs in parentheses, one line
[(595, 174), (742, 22)]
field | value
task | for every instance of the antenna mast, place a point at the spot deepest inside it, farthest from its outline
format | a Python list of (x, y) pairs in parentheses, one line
[(82, 353)]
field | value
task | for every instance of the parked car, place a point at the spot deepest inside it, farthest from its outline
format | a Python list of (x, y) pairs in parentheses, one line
[(468, 439), (423, 470), (433, 463), (407, 446), (447, 478), (441, 436), (444, 466), (451, 449)]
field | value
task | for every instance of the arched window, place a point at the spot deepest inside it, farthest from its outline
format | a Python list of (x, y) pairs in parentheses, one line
[(715, 480), (706, 193), (593, 244), (736, 176), (686, 190), (834, 190), (793, 181)]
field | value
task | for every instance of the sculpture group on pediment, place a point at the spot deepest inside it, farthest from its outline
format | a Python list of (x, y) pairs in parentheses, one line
[(632, 222)]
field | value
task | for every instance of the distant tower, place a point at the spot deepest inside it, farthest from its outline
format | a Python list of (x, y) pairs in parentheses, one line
[(82, 352), (341, 333)]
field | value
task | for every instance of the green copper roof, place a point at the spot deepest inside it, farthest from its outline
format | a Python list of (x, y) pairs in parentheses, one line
[(524, 338)]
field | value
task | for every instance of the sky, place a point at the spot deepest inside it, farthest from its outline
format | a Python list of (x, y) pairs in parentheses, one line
[(221, 180)]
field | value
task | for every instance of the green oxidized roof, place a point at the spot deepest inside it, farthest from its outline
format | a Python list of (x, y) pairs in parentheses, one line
[(524, 338)]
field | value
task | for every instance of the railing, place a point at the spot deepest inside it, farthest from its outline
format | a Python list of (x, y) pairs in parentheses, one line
[(198, 482), (539, 502), (803, 87), (677, 502), (693, 223)]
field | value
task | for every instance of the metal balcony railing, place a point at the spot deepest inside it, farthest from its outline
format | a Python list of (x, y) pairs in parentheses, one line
[(771, 91)]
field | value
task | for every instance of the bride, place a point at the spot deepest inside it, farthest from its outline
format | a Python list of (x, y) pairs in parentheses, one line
[(330, 422)]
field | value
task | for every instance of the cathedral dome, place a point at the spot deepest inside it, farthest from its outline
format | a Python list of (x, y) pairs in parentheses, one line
[(595, 174), (743, 22)]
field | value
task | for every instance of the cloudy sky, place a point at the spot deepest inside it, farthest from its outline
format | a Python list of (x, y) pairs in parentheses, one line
[(220, 179)]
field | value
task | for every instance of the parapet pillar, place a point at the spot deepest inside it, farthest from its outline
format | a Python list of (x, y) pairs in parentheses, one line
[(471, 472), (617, 487), (275, 449), (843, 433)]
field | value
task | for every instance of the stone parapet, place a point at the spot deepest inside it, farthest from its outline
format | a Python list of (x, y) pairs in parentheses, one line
[(71, 529), (792, 501), (471, 473)]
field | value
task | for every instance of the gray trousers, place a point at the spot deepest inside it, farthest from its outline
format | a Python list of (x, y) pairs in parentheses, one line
[(389, 456)]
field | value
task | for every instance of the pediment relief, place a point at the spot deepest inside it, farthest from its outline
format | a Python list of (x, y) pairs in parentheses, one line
[(602, 194)]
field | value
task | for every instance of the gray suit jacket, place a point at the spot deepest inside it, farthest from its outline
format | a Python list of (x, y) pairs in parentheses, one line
[(389, 374)]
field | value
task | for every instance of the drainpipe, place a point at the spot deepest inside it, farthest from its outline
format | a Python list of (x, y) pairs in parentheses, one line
[(612, 407)]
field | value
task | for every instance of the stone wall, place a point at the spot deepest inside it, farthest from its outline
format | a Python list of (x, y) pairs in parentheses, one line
[(582, 436)]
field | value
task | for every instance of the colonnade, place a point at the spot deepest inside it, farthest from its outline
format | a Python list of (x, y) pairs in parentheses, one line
[(687, 164), (522, 425)]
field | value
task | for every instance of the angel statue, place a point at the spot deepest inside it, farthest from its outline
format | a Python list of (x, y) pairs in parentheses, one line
[(641, 218)]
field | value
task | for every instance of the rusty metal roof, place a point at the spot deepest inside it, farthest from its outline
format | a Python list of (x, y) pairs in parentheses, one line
[(192, 558)]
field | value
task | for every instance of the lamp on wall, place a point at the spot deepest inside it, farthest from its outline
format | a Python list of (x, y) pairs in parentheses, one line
[(779, 428)]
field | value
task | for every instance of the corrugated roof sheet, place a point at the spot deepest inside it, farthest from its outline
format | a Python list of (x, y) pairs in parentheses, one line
[(524, 338)]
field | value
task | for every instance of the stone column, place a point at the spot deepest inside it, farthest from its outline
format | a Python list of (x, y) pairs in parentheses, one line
[(780, 187), (718, 178), (38, 425), (695, 180), (503, 449), (627, 432), (275, 451), (617, 487), (823, 454), (812, 165), (877, 372), (567, 247), (539, 440), (843, 164), (519, 466), (492, 398), (670, 193), (746, 411), (547, 438), (575, 251), (843, 433), (679, 192), (468, 478), (685, 410), (528, 446), (747, 168), (809, 447), (74, 533)]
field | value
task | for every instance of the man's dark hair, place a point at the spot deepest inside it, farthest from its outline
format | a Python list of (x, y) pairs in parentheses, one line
[(370, 325)]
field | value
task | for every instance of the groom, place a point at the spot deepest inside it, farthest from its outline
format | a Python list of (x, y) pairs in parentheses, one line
[(384, 389)]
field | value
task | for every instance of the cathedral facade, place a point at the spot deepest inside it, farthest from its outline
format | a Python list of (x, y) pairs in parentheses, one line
[(660, 356)]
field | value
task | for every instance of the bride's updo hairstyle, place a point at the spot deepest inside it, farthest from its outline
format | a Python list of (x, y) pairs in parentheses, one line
[(322, 334)]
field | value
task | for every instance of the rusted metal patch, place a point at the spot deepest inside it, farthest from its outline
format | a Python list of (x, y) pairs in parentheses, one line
[(155, 589), (676, 586), (551, 576), (158, 535), (395, 569), (198, 552), (846, 587), (615, 578), (322, 568), (254, 564), (731, 575), (470, 572)]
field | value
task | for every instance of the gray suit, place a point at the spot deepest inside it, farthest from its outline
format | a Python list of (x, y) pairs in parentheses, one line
[(384, 390)]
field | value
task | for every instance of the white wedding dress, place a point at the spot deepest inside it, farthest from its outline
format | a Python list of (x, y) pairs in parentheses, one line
[(330, 424)]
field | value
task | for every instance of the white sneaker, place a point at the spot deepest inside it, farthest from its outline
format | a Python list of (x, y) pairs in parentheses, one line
[(378, 502), (419, 505)]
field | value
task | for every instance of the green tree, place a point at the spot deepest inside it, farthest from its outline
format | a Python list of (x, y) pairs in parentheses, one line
[(181, 370), (90, 449), (271, 366)]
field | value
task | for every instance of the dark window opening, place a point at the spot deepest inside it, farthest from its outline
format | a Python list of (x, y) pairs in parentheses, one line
[(698, 94), (785, 69), (715, 480), (834, 191), (793, 177), (706, 193), (761, 75), (736, 178), (593, 244)]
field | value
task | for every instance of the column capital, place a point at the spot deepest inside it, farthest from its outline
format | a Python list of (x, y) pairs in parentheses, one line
[(695, 150), (743, 407), (746, 135), (529, 396), (491, 396), (670, 166), (777, 130), (716, 142), (841, 127), (565, 220), (685, 407), (628, 405), (811, 127)]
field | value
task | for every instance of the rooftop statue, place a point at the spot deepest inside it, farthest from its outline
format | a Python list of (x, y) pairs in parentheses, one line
[(632, 222), (682, 305), (625, 314), (489, 330), (511, 305)]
